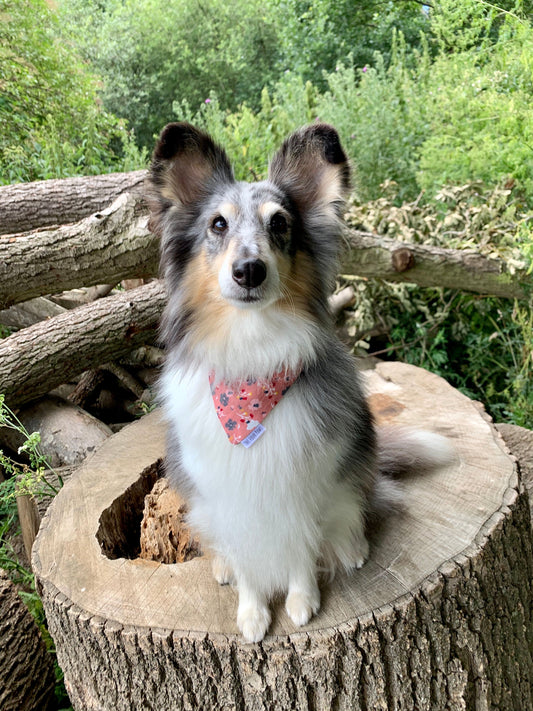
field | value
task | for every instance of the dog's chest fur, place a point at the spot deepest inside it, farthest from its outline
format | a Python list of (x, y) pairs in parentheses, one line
[(253, 500)]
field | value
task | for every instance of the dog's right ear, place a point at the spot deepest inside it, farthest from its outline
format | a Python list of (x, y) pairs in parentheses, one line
[(186, 165)]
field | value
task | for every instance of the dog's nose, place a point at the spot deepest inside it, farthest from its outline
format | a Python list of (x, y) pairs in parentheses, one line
[(249, 272)]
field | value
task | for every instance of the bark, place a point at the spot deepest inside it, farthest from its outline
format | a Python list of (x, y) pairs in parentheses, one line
[(86, 386), (438, 618), (28, 206), (39, 358), (379, 257), (520, 442), (107, 247), (26, 672)]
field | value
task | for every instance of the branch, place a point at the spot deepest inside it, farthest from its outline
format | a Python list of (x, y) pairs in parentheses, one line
[(28, 206), (379, 257)]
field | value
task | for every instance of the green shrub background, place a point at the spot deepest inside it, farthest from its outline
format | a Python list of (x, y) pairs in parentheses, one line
[(433, 104)]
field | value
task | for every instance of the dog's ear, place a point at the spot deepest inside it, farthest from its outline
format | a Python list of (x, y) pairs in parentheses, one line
[(312, 169), (186, 166)]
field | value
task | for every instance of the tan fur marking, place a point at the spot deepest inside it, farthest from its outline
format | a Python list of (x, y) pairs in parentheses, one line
[(228, 209), (296, 279), (330, 186), (267, 209), (211, 311)]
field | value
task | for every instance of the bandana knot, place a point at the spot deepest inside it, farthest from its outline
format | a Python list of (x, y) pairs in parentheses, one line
[(242, 406)]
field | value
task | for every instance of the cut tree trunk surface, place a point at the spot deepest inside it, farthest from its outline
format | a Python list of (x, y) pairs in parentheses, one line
[(438, 618)]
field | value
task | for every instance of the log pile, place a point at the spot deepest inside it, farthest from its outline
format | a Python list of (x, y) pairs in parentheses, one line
[(114, 245)]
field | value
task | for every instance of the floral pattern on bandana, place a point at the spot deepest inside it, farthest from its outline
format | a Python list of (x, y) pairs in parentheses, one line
[(241, 407)]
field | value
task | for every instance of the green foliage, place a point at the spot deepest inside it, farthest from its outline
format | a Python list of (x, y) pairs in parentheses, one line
[(410, 119), (492, 221), (31, 478), (152, 52), (314, 36), (480, 345), (481, 127), (51, 124), (251, 137)]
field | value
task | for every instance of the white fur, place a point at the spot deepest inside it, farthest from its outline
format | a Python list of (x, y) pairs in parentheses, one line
[(432, 450), (276, 338)]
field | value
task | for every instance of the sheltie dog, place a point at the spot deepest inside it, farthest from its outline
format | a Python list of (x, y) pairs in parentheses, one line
[(270, 438)]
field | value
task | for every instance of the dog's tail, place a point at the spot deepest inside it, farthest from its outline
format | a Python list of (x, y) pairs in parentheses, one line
[(402, 452)]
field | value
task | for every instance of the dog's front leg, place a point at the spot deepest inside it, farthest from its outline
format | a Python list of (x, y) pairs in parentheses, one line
[(303, 597), (253, 615)]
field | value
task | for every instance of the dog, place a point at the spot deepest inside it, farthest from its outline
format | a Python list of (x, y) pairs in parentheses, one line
[(271, 440)]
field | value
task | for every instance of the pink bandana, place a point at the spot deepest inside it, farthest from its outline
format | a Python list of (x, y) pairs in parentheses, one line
[(242, 407)]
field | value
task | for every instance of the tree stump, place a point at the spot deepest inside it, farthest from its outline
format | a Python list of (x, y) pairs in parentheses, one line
[(440, 617)]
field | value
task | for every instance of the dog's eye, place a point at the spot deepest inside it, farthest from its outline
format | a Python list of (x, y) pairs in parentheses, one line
[(219, 224), (278, 224)]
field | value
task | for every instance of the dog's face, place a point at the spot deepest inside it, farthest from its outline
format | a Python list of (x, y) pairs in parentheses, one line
[(227, 244), (244, 241)]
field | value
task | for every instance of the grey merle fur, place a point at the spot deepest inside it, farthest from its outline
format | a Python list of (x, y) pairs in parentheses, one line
[(330, 385)]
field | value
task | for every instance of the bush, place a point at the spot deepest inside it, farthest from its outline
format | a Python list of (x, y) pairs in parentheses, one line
[(483, 346), (50, 120), (481, 127), (409, 120), (150, 52)]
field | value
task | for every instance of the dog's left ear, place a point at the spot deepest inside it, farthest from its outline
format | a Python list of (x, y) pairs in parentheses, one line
[(186, 166), (312, 169)]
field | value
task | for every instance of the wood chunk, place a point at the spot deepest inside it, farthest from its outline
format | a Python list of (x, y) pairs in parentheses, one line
[(165, 536)]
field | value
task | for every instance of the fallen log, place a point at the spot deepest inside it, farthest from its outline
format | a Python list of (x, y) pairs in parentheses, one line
[(106, 247), (29, 312), (426, 265), (440, 617), (39, 358), (28, 206)]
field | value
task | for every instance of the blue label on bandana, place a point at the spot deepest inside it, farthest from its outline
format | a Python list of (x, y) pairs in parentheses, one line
[(253, 436)]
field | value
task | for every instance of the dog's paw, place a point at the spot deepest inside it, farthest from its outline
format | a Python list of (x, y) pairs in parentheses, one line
[(222, 571), (361, 553), (253, 622), (301, 606)]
